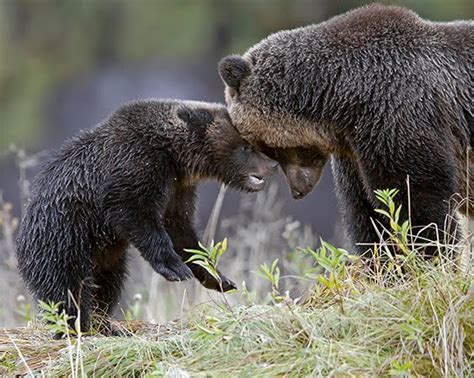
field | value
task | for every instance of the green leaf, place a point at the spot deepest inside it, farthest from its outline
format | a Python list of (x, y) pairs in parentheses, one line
[(224, 245), (274, 264), (196, 252), (205, 330), (397, 214), (212, 255), (196, 257), (383, 212), (323, 280), (391, 207), (333, 249), (264, 272), (202, 246), (277, 277)]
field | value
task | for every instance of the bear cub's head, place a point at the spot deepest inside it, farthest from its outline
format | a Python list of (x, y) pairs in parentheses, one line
[(228, 157), (302, 167)]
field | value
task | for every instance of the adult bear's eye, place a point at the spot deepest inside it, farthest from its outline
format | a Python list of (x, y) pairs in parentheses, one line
[(246, 148)]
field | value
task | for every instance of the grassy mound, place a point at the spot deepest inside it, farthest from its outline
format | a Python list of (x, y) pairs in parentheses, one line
[(421, 323), (410, 318)]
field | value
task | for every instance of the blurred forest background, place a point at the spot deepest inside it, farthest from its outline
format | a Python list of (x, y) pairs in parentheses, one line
[(66, 64)]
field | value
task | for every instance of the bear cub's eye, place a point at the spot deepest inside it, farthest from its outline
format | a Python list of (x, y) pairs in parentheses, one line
[(246, 148)]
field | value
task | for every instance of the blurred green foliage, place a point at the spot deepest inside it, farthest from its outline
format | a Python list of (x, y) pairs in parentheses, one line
[(44, 43)]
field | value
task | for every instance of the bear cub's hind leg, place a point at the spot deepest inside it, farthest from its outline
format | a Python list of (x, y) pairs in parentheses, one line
[(108, 284)]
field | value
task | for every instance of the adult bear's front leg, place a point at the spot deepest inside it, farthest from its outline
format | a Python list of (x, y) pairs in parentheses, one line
[(356, 209), (429, 163)]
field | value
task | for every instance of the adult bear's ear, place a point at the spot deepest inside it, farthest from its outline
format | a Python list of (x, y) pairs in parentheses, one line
[(233, 69)]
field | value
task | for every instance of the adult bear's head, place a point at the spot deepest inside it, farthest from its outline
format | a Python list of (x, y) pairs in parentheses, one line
[(262, 121), (262, 98), (275, 94), (302, 167)]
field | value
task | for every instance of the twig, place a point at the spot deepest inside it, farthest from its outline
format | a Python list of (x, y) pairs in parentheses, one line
[(211, 226)]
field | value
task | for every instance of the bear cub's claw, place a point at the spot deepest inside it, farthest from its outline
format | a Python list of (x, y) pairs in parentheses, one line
[(209, 282), (227, 284)]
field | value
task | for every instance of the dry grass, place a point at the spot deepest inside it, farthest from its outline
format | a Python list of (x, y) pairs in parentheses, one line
[(421, 324)]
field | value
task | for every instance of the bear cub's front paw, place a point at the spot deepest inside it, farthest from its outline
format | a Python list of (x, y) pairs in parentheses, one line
[(227, 284), (224, 285), (210, 282), (174, 269)]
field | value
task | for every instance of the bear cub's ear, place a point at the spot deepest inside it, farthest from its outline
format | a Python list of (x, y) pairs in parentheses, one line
[(233, 69)]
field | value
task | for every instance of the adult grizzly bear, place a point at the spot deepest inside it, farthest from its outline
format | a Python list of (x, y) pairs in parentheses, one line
[(130, 180), (385, 93)]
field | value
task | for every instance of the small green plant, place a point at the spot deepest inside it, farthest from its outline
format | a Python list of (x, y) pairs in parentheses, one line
[(134, 311), (8, 362), (400, 369), (208, 257), (272, 275), (250, 296), (334, 261), (413, 330), (335, 279), (400, 237), (399, 231), (23, 308), (210, 327), (55, 320)]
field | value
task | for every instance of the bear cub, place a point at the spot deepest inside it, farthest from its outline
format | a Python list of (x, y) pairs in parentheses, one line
[(131, 180)]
